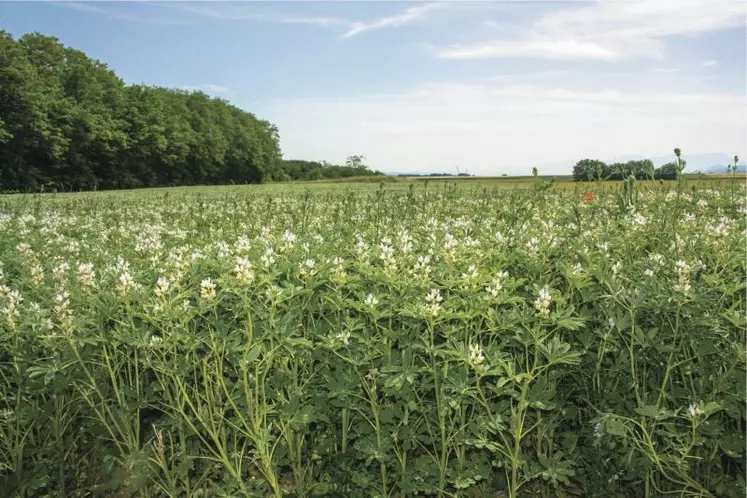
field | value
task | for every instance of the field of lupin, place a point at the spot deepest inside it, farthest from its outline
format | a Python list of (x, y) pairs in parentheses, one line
[(451, 340)]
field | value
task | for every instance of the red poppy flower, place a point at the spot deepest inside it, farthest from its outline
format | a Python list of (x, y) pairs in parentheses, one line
[(589, 196)]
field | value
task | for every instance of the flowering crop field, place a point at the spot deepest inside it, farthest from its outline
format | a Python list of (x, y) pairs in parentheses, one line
[(358, 341)]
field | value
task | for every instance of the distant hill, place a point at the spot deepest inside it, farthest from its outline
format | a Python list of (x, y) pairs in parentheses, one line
[(706, 163), (722, 168)]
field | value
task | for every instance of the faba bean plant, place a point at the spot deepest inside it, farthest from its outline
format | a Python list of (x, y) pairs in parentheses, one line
[(453, 341)]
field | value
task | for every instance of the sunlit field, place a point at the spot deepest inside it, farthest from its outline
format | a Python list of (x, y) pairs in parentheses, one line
[(460, 339)]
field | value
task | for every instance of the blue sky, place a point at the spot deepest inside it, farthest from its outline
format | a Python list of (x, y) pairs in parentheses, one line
[(492, 87)]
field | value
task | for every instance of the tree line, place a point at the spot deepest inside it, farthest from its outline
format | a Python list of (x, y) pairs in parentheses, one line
[(303, 170), (587, 170), (68, 122)]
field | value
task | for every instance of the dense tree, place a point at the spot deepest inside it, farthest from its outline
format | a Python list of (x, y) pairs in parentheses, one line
[(592, 169), (296, 169), (357, 162), (666, 171), (68, 122), (589, 169)]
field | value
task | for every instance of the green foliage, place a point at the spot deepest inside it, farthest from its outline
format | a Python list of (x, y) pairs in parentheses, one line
[(588, 170), (668, 171), (69, 123), (295, 170), (356, 162), (361, 340)]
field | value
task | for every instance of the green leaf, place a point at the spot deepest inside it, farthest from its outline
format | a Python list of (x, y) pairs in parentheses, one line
[(615, 427), (648, 411)]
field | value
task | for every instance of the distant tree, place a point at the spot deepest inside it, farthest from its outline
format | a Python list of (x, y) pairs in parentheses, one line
[(356, 162), (731, 168), (649, 169), (589, 169), (535, 172), (69, 122), (668, 171), (296, 169)]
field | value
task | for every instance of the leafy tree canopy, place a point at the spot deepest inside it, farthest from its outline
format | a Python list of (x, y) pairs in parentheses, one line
[(68, 122)]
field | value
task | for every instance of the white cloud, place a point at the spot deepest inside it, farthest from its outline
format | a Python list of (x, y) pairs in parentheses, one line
[(408, 16), (544, 49), (609, 29), (709, 63), (239, 11), (209, 88), (497, 127), (116, 14)]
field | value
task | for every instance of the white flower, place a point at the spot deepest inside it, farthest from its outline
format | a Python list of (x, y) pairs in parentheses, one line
[(656, 258), (694, 410), (86, 274), (598, 430), (207, 290), (434, 296), (496, 284), (370, 300), (422, 268), (648, 272), (10, 310), (306, 268), (338, 268), (542, 303), (683, 277), (243, 244), (62, 309), (616, 268), (289, 238), (343, 337), (532, 244), (59, 271), (162, 286), (268, 258), (471, 273), (243, 270), (476, 356), (433, 302), (126, 283), (387, 253), (273, 292)]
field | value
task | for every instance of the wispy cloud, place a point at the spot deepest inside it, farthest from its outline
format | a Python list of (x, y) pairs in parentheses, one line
[(497, 127), (538, 48), (209, 88), (709, 63), (118, 14), (607, 30), (239, 11), (407, 16)]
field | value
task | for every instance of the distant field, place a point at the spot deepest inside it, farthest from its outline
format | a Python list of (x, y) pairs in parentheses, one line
[(564, 182)]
